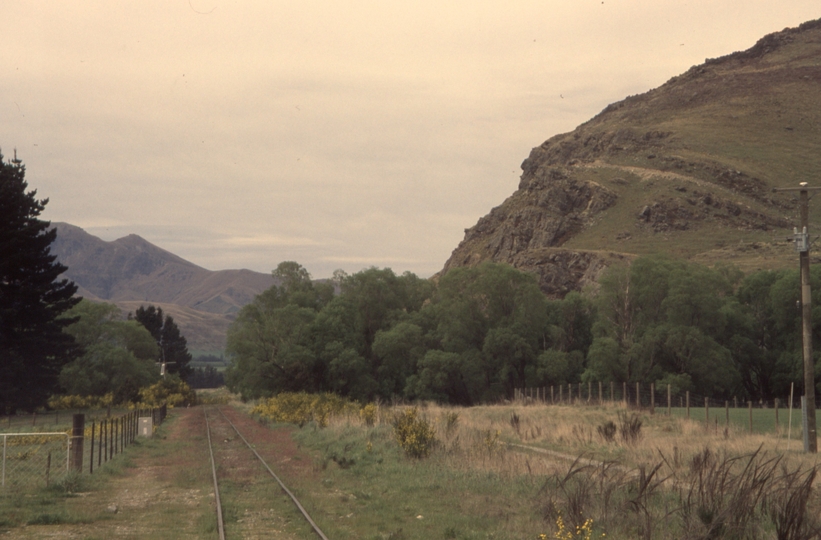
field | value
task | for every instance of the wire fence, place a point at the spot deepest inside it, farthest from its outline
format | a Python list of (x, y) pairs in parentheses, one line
[(36, 459), (58, 420), (756, 416), (33, 459)]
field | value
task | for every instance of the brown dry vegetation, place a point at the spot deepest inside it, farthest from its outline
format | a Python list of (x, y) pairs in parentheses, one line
[(515, 434), (673, 478), (506, 471)]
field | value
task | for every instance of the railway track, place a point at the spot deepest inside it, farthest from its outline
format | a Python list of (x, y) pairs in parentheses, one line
[(245, 486)]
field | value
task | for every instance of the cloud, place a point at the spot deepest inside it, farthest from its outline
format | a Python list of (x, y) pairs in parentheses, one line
[(266, 241), (353, 134)]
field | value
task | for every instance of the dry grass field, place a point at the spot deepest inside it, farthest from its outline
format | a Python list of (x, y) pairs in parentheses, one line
[(508, 471)]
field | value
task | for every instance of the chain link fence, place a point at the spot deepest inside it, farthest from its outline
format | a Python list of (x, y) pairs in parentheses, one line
[(31, 460)]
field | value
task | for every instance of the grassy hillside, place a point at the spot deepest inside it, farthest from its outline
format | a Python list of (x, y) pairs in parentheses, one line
[(686, 169)]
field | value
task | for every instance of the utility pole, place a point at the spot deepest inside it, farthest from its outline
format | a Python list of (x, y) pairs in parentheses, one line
[(802, 245)]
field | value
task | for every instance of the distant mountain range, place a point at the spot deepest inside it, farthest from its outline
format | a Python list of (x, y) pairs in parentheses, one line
[(131, 272), (686, 169)]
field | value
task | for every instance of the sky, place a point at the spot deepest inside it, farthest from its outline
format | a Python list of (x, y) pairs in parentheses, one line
[(338, 134)]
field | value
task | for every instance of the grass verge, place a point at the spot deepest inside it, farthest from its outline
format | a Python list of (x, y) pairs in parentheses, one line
[(654, 477)]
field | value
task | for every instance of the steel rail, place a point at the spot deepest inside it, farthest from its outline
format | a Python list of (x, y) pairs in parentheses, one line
[(220, 522), (281, 484)]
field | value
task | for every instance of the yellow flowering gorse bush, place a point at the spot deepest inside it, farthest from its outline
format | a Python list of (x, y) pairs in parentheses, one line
[(583, 531), (171, 391), (415, 435), (301, 408), (368, 414), (62, 403)]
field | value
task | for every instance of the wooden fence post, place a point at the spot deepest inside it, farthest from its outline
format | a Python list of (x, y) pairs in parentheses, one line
[(100, 445), (669, 400), (727, 412), (638, 397), (78, 425), (776, 413), (652, 398), (687, 398), (600, 396), (624, 393), (750, 409), (707, 412), (91, 459)]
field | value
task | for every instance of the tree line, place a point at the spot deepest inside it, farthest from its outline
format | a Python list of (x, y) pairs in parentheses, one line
[(476, 334), (470, 336), (120, 357)]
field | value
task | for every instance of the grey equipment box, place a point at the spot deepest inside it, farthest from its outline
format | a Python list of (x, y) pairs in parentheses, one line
[(146, 427)]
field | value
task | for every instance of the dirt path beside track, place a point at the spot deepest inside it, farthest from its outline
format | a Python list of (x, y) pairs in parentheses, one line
[(165, 489)]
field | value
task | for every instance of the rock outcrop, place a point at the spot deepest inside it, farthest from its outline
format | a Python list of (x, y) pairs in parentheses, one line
[(686, 169)]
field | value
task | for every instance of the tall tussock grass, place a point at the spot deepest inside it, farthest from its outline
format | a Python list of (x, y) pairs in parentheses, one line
[(715, 495)]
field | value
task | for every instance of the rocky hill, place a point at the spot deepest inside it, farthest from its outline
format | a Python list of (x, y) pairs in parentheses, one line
[(131, 272), (686, 169)]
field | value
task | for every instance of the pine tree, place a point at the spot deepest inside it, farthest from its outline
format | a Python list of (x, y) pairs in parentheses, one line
[(33, 346), (173, 345)]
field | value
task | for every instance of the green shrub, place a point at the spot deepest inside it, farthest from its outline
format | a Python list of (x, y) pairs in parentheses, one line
[(415, 435)]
